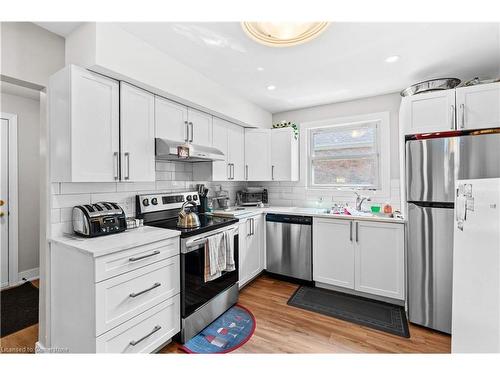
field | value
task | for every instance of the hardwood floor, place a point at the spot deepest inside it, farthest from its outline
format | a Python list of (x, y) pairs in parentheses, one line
[(286, 329)]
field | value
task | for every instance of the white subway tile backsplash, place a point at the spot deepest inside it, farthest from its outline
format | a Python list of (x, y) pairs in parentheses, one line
[(163, 176), (182, 176), (66, 214), (116, 197), (55, 188), (87, 187), (55, 215), (69, 200), (60, 229), (136, 186)]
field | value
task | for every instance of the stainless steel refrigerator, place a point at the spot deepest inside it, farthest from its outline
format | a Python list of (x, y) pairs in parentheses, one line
[(432, 166)]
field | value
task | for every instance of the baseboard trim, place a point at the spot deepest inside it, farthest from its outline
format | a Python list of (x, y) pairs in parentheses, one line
[(29, 275)]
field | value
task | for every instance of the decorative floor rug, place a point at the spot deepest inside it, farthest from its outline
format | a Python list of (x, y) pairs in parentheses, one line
[(19, 308), (227, 333)]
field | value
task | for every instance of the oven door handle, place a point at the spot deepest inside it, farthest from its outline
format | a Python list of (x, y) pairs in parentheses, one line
[(199, 241)]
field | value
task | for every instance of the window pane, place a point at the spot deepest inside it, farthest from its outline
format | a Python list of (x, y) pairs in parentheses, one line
[(345, 137), (345, 172)]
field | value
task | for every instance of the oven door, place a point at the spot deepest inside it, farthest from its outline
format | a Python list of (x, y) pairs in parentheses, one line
[(195, 292)]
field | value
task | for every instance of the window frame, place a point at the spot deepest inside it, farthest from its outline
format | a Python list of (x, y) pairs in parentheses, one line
[(344, 126)]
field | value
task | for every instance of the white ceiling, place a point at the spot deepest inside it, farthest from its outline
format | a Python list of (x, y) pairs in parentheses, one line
[(345, 62)]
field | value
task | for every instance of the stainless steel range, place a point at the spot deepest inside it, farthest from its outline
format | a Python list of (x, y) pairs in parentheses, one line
[(201, 302)]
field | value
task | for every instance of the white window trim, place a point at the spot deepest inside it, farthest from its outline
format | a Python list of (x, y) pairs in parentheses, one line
[(384, 192)]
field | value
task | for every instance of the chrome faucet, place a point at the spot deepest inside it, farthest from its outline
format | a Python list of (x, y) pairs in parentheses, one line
[(360, 199)]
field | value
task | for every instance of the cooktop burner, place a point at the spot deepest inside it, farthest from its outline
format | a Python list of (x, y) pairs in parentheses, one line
[(207, 223)]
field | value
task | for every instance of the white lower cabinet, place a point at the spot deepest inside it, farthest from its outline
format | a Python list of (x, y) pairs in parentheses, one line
[(366, 256), (251, 248), (126, 301)]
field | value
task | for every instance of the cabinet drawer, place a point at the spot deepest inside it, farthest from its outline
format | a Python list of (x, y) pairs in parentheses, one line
[(123, 297), (148, 331), (124, 261)]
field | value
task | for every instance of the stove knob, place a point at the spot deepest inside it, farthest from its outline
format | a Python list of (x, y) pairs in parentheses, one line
[(154, 201), (145, 202), (195, 197), (188, 198)]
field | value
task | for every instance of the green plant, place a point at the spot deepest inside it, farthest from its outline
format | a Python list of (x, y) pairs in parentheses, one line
[(288, 124)]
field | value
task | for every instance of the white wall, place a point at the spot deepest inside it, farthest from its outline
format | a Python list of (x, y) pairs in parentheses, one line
[(27, 110), (297, 194), (110, 50), (30, 54)]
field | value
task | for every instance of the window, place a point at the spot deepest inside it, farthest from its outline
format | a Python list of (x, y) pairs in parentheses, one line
[(345, 155)]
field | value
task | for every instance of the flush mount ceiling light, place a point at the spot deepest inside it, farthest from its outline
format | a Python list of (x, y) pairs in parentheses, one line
[(271, 87), (392, 59), (283, 34)]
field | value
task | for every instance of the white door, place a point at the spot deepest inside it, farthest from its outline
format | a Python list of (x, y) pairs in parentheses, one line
[(4, 199), (478, 106), (379, 258), (333, 252), (94, 127), (258, 155), (200, 127), (137, 134), (170, 120), (429, 112), (236, 151), (220, 169)]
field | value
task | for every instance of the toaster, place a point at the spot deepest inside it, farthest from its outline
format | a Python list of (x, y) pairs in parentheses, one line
[(98, 219)]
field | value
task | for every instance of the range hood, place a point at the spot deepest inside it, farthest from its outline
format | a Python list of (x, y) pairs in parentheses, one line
[(166, 149)]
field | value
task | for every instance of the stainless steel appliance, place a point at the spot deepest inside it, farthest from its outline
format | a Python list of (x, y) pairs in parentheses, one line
[(251, 196), (98, 219), (167, 150), (289, 246), (433, 163), (201, 302)]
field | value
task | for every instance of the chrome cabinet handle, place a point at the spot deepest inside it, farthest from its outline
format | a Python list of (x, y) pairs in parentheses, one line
[(134, 259), (462, 107), (228, 171), (246, 172), (155, 285), (272, 172), (186, 131), (127, 156), (452, 117), (253, 227), (357, 231), (115, 165), (155, 329), (232, 171), (192, 131), (350, 231)]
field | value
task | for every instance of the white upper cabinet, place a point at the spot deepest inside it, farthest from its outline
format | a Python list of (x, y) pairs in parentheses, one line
[(84, 126), (379, 254), (478, 106), (429, 112), (284, 155), (236, 151), (230, 139), (258, 154), (171, 120), (199, 127), (137, 125)]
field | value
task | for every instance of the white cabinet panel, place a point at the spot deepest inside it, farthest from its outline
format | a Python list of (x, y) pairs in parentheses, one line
[(137, 124), (170, 120), (83, 116), (429, 112), (333, 252), (258, 154), (251, 248), (284, 155), (380, 259), (478, 106), (200, 127), (221, 169), (236, 151)]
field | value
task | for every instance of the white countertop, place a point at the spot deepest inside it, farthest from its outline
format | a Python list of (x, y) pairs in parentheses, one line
[(103, 245), (314, 212)]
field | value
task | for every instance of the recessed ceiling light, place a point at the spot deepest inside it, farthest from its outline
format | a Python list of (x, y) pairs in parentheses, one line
[(271, 87), (283, 34), (260, 68), (392, 59)]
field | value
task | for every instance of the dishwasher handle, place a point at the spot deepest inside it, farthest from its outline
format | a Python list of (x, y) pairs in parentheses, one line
[(289, 219)]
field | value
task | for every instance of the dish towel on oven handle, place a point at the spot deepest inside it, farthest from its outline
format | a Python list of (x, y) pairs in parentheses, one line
[(229, 244), (219, 255)]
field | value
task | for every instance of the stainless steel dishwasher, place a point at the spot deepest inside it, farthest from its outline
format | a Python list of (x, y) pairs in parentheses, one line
[(289, 245)]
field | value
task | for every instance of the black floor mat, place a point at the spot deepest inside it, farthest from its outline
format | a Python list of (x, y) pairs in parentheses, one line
[(374, 314), (19, 308)]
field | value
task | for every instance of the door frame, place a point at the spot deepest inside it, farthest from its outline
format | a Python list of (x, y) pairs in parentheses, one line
[(13, 198)]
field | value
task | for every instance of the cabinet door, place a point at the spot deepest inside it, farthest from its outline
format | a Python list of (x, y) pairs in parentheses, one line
[(200, 127), (380, 258), (137, 134), (220, 169), (333, 252), (258, 155), (170, 120), (243, 272), (478, 107), (254, 260), (236, 151), (284, 155), (429, 112), (94, 126)]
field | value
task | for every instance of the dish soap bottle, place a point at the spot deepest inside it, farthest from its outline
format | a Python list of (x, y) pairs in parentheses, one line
[(387, 208)]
